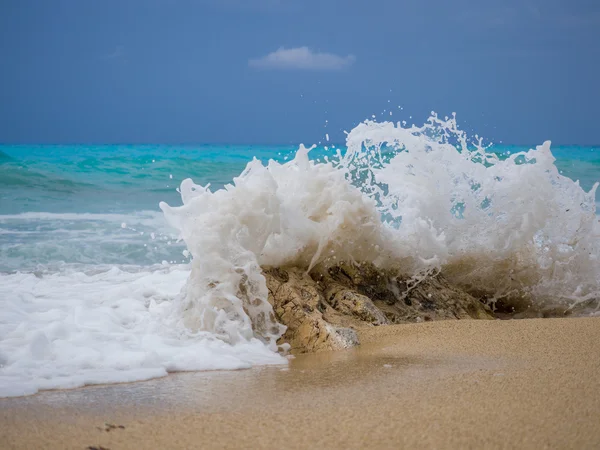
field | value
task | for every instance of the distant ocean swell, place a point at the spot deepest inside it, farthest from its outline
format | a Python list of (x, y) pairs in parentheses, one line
[(97, 287)]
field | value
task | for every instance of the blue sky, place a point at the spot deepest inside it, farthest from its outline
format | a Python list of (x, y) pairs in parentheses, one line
[(289, 71)]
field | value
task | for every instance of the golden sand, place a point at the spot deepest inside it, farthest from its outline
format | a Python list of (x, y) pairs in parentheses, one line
[(452, 384)]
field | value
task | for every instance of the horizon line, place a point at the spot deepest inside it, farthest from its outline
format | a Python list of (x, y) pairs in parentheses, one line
[(192, 144)]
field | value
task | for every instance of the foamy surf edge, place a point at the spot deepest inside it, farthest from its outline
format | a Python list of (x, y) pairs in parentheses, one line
[(70, 329)]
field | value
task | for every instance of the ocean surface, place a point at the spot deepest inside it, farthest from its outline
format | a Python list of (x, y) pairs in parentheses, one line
[(98, 204), (91, 266)]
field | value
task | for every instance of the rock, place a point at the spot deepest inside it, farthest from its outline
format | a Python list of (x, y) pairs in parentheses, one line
[(322, 310), (299, 304), (402, 300), (348, 301)]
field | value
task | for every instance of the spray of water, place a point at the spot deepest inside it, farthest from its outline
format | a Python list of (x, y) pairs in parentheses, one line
[(417, 199)]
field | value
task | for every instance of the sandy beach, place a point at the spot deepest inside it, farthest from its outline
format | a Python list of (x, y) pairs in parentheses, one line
[(450, 384)]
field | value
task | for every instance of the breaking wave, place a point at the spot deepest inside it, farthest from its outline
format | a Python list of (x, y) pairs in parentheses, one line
[(509, 229)]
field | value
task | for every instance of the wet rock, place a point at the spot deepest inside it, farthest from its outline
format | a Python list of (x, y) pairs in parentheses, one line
[(299, 304), (323, 309), (401, 299), (350, 302)]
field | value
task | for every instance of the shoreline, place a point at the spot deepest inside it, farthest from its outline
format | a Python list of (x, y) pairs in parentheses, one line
[(530, 383)]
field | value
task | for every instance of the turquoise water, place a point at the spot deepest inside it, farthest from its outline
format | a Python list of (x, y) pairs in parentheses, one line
[(98, 204)]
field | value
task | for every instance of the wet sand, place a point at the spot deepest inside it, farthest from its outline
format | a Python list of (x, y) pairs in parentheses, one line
[(454, 384)]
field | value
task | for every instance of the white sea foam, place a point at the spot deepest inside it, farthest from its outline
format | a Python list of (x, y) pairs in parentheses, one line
[(418, 199), (298, 213), (421, 199), (502, 228), (71, 328)]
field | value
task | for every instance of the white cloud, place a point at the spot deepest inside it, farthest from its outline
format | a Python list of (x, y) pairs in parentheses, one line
[(301, 58)]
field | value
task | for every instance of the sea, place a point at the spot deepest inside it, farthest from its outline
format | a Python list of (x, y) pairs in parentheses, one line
[(110, 254)]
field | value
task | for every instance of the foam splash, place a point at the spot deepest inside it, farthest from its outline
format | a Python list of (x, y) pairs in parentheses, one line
[(297, 213), (420, 199), (511, 228)]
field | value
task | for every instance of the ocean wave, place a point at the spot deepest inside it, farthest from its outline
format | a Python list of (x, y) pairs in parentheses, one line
[(511, 230)]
